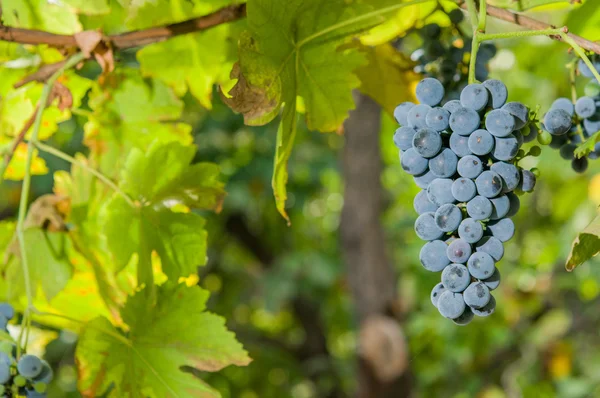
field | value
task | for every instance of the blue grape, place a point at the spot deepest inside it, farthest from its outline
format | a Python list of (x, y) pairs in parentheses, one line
[(509, 173), (438, 119), (433, 256), (444, 164), (470, 230), (4, 372), (464, 121), (427, 142), (481, 265), (448, 217), (423, 180), (585, 107), (439, 191), (456, 278), (29, 366), (519, 111), (456, 16), (460, 145), (489, 184), (451, 305), (401, 113), (498, 92), (469, 166), (46, 375), (452, 106), (557, 121), (463, 189), (567, 151), (515, 204), (500, 123), (584, 69), (564, 104), (579, 165), (487, 310), (477, 295), (436, 292), (413, 163), (403, 137), (506, 148), (528, 181), (481, 142), (591, 125), (7, 310), (465, 318), (474, 96), (416, 117), (503, 229), (491, 246), (430, 91), (493, 281), (458, 251), (425, 227), (479, 208), (500, 205), (422, 204)]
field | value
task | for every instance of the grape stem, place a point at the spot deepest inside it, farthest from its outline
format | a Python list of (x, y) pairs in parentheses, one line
[(572, 75), (74, 60)]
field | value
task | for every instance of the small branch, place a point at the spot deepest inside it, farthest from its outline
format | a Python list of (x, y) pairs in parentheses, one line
[(18, 139), (567, 38), (482, 16), (472, 9), (41, 75)]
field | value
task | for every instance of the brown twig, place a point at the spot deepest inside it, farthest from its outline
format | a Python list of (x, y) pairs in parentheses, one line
[(8, 157), (41, 75), (534, 24)]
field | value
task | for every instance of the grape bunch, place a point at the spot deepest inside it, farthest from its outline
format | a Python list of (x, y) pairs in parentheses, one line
[(28, 376), (570, 123), (462, 155), (444, 53)]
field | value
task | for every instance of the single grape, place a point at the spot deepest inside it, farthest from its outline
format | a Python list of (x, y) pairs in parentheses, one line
[(444, 164), (416, 116), (509, 174), (439, 191), (487, 310), (460, 145), (7, 310), (477, 295), (479, 208), (491, 246), (464, 121), (426, 228), (430, 91), (432, 31), (519, 111), (422, 204), (433, 256), (47, 374), (451, 305), (458, 251), (463, 189), (591, 125), (452, 106), (448, 217), (470, 230), (498, 92), (427, 142), (456, 16), (4, 372), (481, 265), (592, 89), (438, 119), (465, 318), (413, 163), (423, 180), (584, 69), (456, 278), (585, 107), (528, 181), (579, 165), (401, 113), (500, 205), (564, 104), (469, 166), (474, 96), (493, 281), (500, 123), (567, 151), (515, 204), (506, 148), (19, 380), (436, 292), (29, 366), (489, 184), (481, 142), (3, 322), (557, 121), (503, 229), (403, 137)]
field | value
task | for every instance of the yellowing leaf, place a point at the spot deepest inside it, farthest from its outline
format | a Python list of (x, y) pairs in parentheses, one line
[(16, 169)]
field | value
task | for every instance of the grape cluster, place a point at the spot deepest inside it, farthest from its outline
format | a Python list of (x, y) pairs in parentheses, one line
[(462, 156), (570, 123), (444, 53), (29, 375)]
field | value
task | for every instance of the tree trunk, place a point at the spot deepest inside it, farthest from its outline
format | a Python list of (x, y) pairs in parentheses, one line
[(370, 274)]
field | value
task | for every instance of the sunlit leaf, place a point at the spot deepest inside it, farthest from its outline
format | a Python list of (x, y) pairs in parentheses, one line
[(586, 245)]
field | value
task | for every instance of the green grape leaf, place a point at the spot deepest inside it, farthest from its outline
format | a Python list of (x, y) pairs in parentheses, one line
[(158, 180), (48, 16), (585, 246), (88, 7), (522, 5), (294, 49), (147, 362), (585, 20), (587, 146)]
